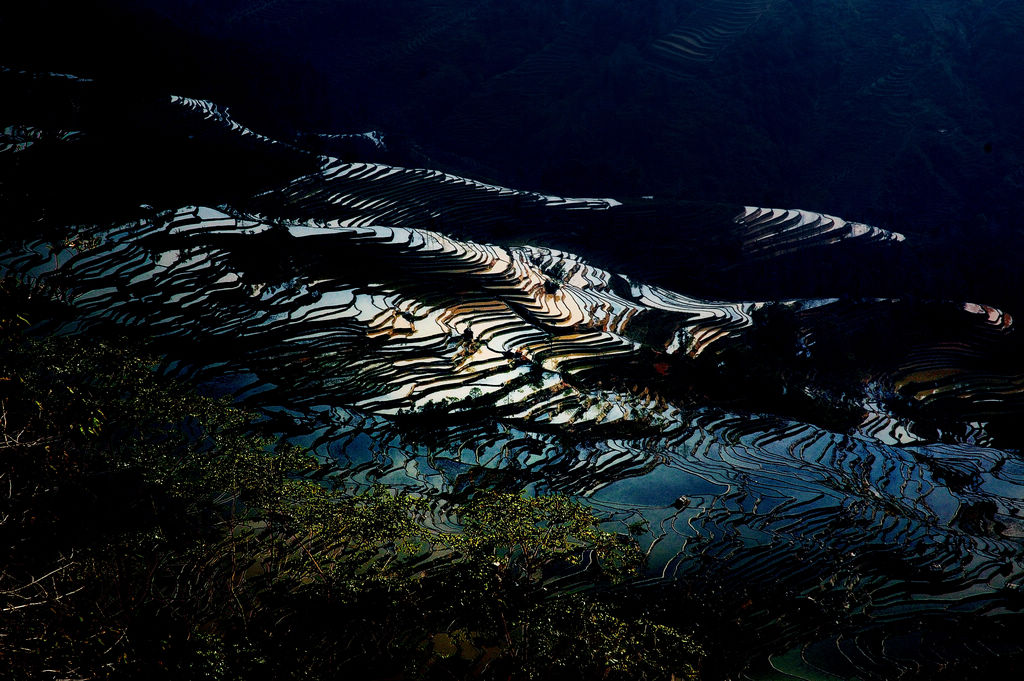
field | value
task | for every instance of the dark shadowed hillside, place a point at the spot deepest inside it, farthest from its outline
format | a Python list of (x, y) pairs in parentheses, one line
[(903, 117), (778, 352), (900, 114)]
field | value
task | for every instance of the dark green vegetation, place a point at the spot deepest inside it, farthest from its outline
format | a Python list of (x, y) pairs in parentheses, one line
[(151, 532)]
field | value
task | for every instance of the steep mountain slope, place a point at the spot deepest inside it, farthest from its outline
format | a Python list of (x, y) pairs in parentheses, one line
[(834, 479)]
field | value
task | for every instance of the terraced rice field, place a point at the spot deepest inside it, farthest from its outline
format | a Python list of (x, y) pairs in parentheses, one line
[(831, 478), (711, 28)]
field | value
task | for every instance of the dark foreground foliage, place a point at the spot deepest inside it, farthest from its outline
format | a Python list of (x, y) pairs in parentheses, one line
[(148, 532)]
